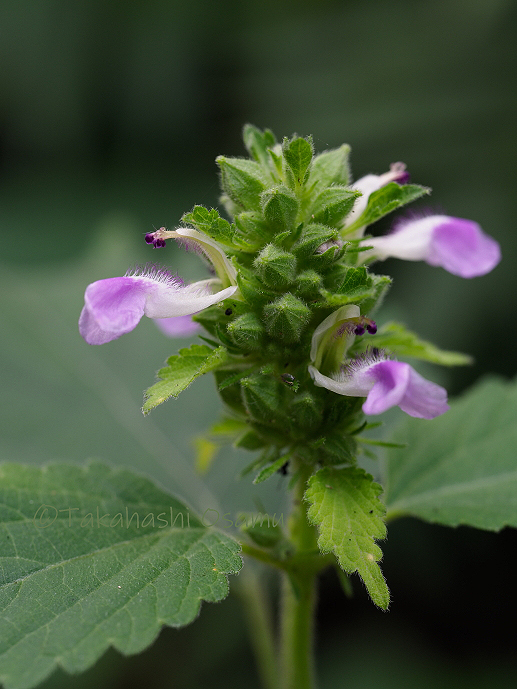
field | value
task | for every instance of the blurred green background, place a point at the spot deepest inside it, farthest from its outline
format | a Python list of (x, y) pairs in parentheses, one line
[(111, 115)]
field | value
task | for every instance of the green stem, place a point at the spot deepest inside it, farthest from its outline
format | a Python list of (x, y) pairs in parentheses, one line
[(299, 598), (260, 626)]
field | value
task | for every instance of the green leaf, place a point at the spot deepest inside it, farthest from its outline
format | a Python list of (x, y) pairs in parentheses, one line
[(298, 156), (268, 471), (243, 180), (346, 508), (397, 339), (459, 468), (386, 200), (211, 223), (181, 370), (332, 205), (75, 581), (257, 143), (331, 167)]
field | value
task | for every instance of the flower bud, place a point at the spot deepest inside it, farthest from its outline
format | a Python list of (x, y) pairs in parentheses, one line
[(308, 282), (333, 204), (247, 331), (286, 318), (306, 412), (243, 181), (280, 208), (277, 268), (261, 395), (311, 238)]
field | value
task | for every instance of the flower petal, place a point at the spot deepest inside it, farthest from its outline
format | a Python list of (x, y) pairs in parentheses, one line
[(114, 306), (213, 251), (462, 248), (178, 326), (385, 384), (350, 311), (390, 380), (458, 245)]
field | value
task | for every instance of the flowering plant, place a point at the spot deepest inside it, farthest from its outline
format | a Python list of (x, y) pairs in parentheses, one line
[(288, 329)]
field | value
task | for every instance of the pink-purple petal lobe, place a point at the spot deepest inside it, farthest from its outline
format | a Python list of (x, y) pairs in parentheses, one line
[(178, 326), (387, 384), (458, 245), (462, 248), (114, 306)]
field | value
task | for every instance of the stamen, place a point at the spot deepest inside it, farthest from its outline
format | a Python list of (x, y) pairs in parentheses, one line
[(157, 239), (358, 326)]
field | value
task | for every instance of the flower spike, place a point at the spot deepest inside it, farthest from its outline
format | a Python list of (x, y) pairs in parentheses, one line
[(386, 383), (458, 245)]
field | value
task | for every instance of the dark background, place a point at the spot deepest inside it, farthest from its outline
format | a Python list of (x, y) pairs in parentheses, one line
[(111, 115)]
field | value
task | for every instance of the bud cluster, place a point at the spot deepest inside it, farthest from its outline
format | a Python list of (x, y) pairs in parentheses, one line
[(288, 308), (288, 208)]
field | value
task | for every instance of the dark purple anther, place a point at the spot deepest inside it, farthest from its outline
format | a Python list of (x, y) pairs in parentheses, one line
[(149, 238), (359, 330), (372, 328), (159, 243)]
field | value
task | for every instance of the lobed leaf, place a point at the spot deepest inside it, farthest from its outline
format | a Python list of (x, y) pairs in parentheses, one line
[(94, 557), (345, 505)]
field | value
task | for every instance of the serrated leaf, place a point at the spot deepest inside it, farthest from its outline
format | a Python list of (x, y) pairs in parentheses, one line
[(211, 223), (459, 468), (386, 200), (71, 588), (345, 505), (403, 342), (181, 370)]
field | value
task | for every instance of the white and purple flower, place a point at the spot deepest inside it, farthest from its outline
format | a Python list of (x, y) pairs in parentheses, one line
[(460, 246), (385, 383), (114, 306)]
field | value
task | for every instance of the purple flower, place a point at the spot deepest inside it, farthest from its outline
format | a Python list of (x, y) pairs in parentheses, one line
[(385, 383), (458, 245), (114, 306), (179, 326)]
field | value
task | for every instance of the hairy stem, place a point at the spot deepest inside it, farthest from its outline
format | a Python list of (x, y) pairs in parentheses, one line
[(299, 598)]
